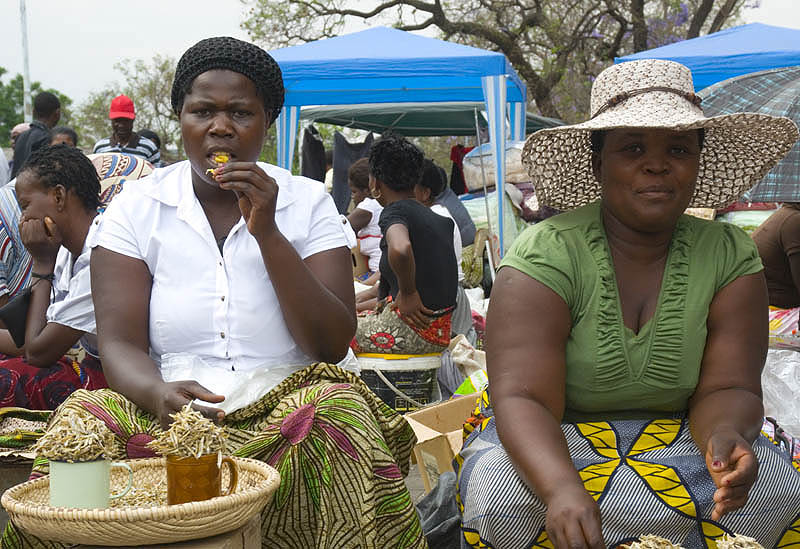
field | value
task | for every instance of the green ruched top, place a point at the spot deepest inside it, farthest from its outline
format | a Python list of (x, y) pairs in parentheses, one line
[(613, 373)]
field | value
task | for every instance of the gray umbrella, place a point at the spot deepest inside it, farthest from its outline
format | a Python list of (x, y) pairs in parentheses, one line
[(776, 92)]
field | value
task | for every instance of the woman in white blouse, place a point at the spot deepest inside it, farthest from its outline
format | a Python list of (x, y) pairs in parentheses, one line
[(58, 192), (238, 274)]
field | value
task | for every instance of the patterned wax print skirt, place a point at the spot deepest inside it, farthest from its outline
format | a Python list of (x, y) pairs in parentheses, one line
[(647, 476), (342, 455), (23, 385), (385, 331)]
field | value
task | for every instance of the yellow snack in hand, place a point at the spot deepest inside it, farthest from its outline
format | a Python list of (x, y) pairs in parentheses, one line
[(220, 158), (49, 225)]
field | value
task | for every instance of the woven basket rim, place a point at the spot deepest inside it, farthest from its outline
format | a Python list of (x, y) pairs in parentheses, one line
[(13, 498)]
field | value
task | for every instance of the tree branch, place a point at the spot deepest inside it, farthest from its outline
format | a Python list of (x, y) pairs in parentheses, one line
[(722, 15), (639, 25), (699, 19)]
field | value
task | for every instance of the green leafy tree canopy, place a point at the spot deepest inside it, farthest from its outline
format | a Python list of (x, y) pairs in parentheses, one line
[(12, 105)]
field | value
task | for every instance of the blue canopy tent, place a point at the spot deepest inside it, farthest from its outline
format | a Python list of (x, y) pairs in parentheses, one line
[(384, 65), (730, 52)]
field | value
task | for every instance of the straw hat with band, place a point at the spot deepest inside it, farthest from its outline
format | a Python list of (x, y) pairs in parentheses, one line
[(738, 149)]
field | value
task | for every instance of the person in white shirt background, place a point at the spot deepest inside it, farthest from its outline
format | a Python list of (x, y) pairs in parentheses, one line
[(240, 274), (364, 219), (58, 192)]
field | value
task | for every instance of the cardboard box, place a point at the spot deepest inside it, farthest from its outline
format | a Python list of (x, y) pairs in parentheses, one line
[(439, 436)]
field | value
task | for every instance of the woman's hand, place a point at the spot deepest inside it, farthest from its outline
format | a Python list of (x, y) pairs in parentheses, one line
[(573, 520), (172, 396), (733, 468), (412, 309), (42, 239), (257, 193)]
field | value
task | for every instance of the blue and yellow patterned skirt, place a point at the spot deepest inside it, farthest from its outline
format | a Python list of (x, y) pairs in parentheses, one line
[(647, 476)]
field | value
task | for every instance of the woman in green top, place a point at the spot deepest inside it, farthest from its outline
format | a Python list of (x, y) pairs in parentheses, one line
[(625, 339)]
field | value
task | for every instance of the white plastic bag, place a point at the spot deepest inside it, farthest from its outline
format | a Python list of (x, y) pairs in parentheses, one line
[(780, 382), (241, 387), (515, 171)]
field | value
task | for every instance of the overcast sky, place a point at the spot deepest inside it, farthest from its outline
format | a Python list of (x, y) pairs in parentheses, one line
[(74, 45)]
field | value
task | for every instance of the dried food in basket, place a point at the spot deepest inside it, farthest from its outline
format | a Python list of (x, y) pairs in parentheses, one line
[(27, 506), (73, 438), (737, 542), (725, 542), (190, 435)]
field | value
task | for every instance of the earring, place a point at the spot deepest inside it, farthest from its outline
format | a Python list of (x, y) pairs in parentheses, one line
[(374, 194)]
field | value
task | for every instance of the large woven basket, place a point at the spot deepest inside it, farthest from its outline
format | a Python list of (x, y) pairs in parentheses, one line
[(27, 505)]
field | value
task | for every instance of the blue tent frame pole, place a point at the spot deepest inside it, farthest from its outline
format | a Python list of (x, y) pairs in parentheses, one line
[(516, 120), (494, 93), (286, 126)]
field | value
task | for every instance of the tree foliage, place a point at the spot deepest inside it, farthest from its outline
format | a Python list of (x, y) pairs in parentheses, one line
[(11, 105), (149, 84), (556, 46)]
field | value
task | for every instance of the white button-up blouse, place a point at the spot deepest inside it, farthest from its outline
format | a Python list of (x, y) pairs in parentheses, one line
[(218, 306), (71, 304)]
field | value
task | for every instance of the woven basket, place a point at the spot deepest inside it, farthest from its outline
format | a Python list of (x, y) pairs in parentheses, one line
[(27, 505)]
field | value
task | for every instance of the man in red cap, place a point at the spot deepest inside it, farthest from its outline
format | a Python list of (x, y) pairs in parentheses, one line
[(123, 139)]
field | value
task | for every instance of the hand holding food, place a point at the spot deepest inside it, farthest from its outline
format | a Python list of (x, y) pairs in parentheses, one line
[(220, 158), (174, 395), (257, 193), (42, 238)]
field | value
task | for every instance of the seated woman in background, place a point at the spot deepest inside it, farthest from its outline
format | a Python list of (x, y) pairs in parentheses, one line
[(419, 276), (778, 242), (58, 192), (625, 339), (244, 271), (430, 187), (364, 219)]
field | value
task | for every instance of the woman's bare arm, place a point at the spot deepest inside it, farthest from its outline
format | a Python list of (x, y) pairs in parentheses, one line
[(121, 290), (316, 295), (527, 329), (726, 410), (45, 342)]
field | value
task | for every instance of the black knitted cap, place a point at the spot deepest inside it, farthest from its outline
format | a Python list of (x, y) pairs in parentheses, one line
[(224, 52)]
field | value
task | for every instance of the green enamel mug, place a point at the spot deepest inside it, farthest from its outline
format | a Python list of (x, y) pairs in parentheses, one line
[(84, 485)]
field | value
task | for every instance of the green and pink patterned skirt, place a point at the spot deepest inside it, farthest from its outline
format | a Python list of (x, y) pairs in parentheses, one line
[(342, 455)]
